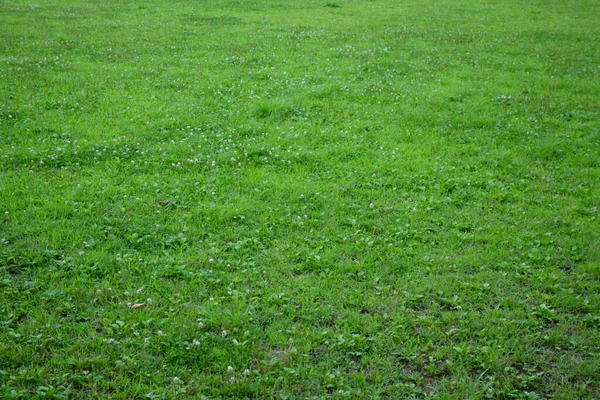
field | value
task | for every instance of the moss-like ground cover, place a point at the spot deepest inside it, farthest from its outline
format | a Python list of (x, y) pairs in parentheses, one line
[(309, 199)]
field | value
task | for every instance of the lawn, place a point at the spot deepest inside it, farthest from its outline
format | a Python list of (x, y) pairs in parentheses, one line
[(375, 199)]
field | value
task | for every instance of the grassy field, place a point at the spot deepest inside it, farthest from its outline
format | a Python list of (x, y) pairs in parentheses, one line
[(313, 199)]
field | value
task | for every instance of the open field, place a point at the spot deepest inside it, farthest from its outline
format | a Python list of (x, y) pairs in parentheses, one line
[(369, 199)]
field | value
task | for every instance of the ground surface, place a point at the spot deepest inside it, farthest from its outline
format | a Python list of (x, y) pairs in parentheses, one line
[(343, 199)]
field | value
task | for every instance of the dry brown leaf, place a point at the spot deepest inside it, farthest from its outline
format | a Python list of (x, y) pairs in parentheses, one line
[(138, 305)]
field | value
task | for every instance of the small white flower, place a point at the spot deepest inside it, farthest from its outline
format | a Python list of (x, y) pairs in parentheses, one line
[(246, 372), (230, 369)]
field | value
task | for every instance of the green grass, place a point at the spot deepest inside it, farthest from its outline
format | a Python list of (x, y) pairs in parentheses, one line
[(312, 199)]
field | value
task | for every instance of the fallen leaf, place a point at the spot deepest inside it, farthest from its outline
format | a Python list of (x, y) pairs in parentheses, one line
[(138, 305)]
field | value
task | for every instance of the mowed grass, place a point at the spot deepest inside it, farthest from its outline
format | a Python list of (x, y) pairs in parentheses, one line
[(310, 199)]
